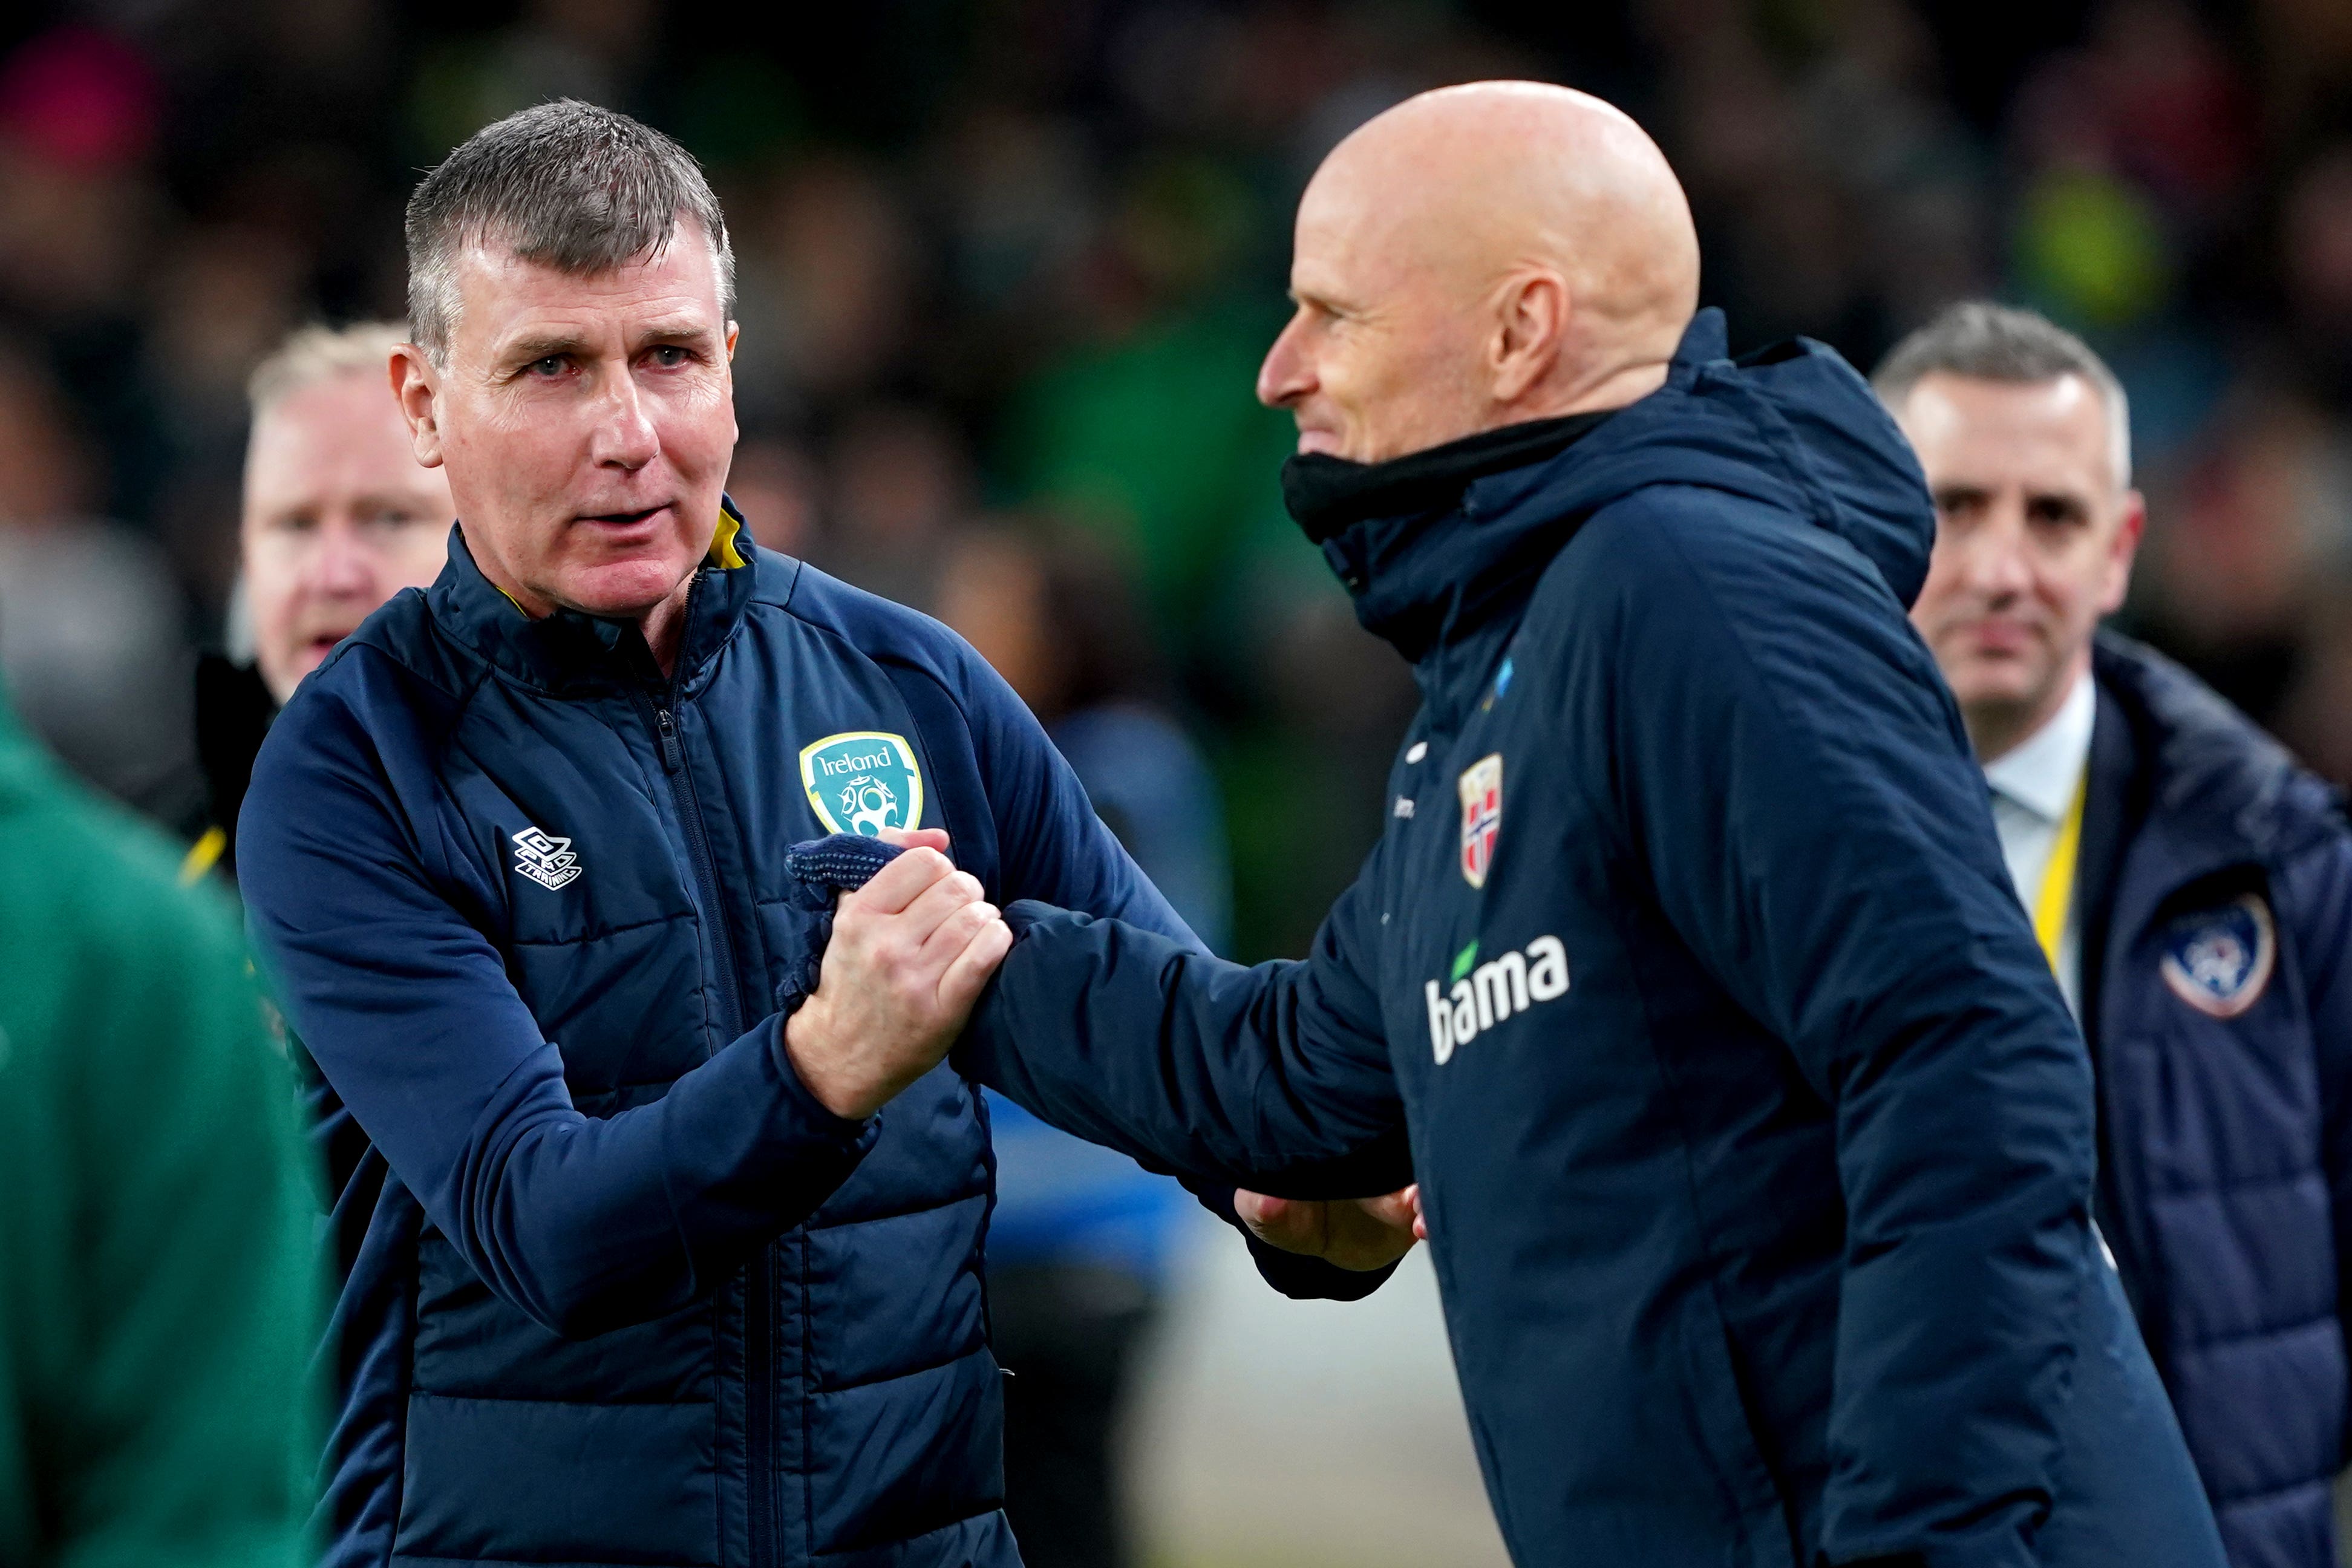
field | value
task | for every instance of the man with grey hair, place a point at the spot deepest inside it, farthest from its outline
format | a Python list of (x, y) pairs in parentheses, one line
[(2191, 888), (638, 1268), (338, 516)]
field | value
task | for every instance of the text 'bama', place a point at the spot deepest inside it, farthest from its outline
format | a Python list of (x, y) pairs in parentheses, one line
[(1492, 992)]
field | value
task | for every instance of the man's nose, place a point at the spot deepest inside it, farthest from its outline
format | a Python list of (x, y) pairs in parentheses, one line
[(1998, 562), (344, 564), (1284, 377), (624, 437)]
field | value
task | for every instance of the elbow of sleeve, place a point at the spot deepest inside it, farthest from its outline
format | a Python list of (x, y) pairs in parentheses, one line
[(582, 1306), (587, 1317), (576, 1261)]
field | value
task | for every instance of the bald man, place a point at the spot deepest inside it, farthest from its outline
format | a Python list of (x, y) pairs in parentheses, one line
[(1753, 1138)]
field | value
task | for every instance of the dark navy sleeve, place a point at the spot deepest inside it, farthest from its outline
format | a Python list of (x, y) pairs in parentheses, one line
[(405, 1007), (1785, 760), (1275, 1078), (1054, 849), (2313, 896)]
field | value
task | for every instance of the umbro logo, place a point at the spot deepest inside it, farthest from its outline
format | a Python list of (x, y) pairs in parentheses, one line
[(548, 861)]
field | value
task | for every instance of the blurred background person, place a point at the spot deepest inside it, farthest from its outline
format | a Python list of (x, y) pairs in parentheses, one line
[(339, 516), (158, 1289), (1079, 1243), (2193, 888), (92, 634)]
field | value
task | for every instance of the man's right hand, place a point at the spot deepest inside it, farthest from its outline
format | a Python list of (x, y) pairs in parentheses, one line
[(909, 953)]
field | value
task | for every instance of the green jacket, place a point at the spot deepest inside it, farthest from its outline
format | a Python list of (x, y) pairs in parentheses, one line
[(158, 1293)]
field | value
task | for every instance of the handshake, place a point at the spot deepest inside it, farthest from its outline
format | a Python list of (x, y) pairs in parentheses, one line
[(912, 951)]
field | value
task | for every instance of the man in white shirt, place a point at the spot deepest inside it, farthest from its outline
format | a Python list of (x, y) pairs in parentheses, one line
[(2193, 888), (2034, 785)]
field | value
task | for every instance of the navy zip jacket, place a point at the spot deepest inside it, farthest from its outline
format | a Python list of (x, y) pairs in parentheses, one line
[(2217, 894), (1754, 1137), (617, 1289)]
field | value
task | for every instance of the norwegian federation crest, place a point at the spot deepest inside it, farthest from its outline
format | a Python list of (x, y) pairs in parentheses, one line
[(863, 782), (2220, 961), (1481, 816)]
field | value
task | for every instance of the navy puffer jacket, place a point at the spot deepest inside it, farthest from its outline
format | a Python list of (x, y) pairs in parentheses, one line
[(2220, 876), (618, 1289), (1756, 1142)]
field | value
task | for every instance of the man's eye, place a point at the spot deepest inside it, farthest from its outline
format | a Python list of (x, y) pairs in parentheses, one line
[(552, 365), (669, 356)]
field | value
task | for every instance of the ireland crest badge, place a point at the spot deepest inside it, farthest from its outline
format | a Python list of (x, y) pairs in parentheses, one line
[(2219, 961), (1481, 816), (863, 782)]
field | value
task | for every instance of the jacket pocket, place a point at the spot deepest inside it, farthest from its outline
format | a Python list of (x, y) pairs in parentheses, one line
[(1766, 1525)]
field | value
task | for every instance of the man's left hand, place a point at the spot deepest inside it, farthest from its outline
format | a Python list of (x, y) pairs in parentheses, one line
[(1362, 1234)]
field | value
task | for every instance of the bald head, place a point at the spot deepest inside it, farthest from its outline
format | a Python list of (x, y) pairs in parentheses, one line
[(1477, 256)]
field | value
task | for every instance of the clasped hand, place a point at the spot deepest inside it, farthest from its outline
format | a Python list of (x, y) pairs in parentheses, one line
[(909, 953), (1350, 1233)]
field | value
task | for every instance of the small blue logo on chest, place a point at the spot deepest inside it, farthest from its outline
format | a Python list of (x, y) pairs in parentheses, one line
[(2220, 961), (863, 782)]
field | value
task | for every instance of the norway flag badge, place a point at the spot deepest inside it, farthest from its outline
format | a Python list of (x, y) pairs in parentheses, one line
[(1481, 816)]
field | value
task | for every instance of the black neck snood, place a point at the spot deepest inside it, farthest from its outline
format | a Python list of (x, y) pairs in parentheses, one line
[(1327, 494)]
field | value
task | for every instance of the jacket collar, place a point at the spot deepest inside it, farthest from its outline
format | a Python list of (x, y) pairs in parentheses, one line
[(1328, 494), (1471, 550), (570, 651), (2217, 793), (1792, 426), (1443, 581)]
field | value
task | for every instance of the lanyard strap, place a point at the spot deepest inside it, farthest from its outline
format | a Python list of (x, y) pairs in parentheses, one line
[(2051, 905)]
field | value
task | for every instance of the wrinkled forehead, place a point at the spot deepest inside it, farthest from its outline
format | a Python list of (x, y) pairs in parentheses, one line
[(503, 294)]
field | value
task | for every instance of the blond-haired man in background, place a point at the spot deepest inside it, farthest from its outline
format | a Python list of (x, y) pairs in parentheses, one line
[(338, 517)]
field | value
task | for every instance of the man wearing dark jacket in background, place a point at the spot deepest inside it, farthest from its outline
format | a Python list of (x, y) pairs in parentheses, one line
[(2192, 890), (1755, 1144)]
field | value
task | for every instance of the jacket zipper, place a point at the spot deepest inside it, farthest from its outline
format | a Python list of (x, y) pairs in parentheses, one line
[(759, 1304)]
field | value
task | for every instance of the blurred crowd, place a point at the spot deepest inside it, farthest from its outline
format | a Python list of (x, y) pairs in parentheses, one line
[(1007, 267)]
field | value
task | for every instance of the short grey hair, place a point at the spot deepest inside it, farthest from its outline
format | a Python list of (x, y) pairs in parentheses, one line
[(315, 353), (566, 184), (1986, 342)]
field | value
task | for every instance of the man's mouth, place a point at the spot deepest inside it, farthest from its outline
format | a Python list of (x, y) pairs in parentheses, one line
[(320, 644), (1999, 637), (625, 519)]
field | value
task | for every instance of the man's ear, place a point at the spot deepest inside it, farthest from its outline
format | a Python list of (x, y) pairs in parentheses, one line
[(733, 331), (2122, 550), (1533, 311), (414, 387)]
